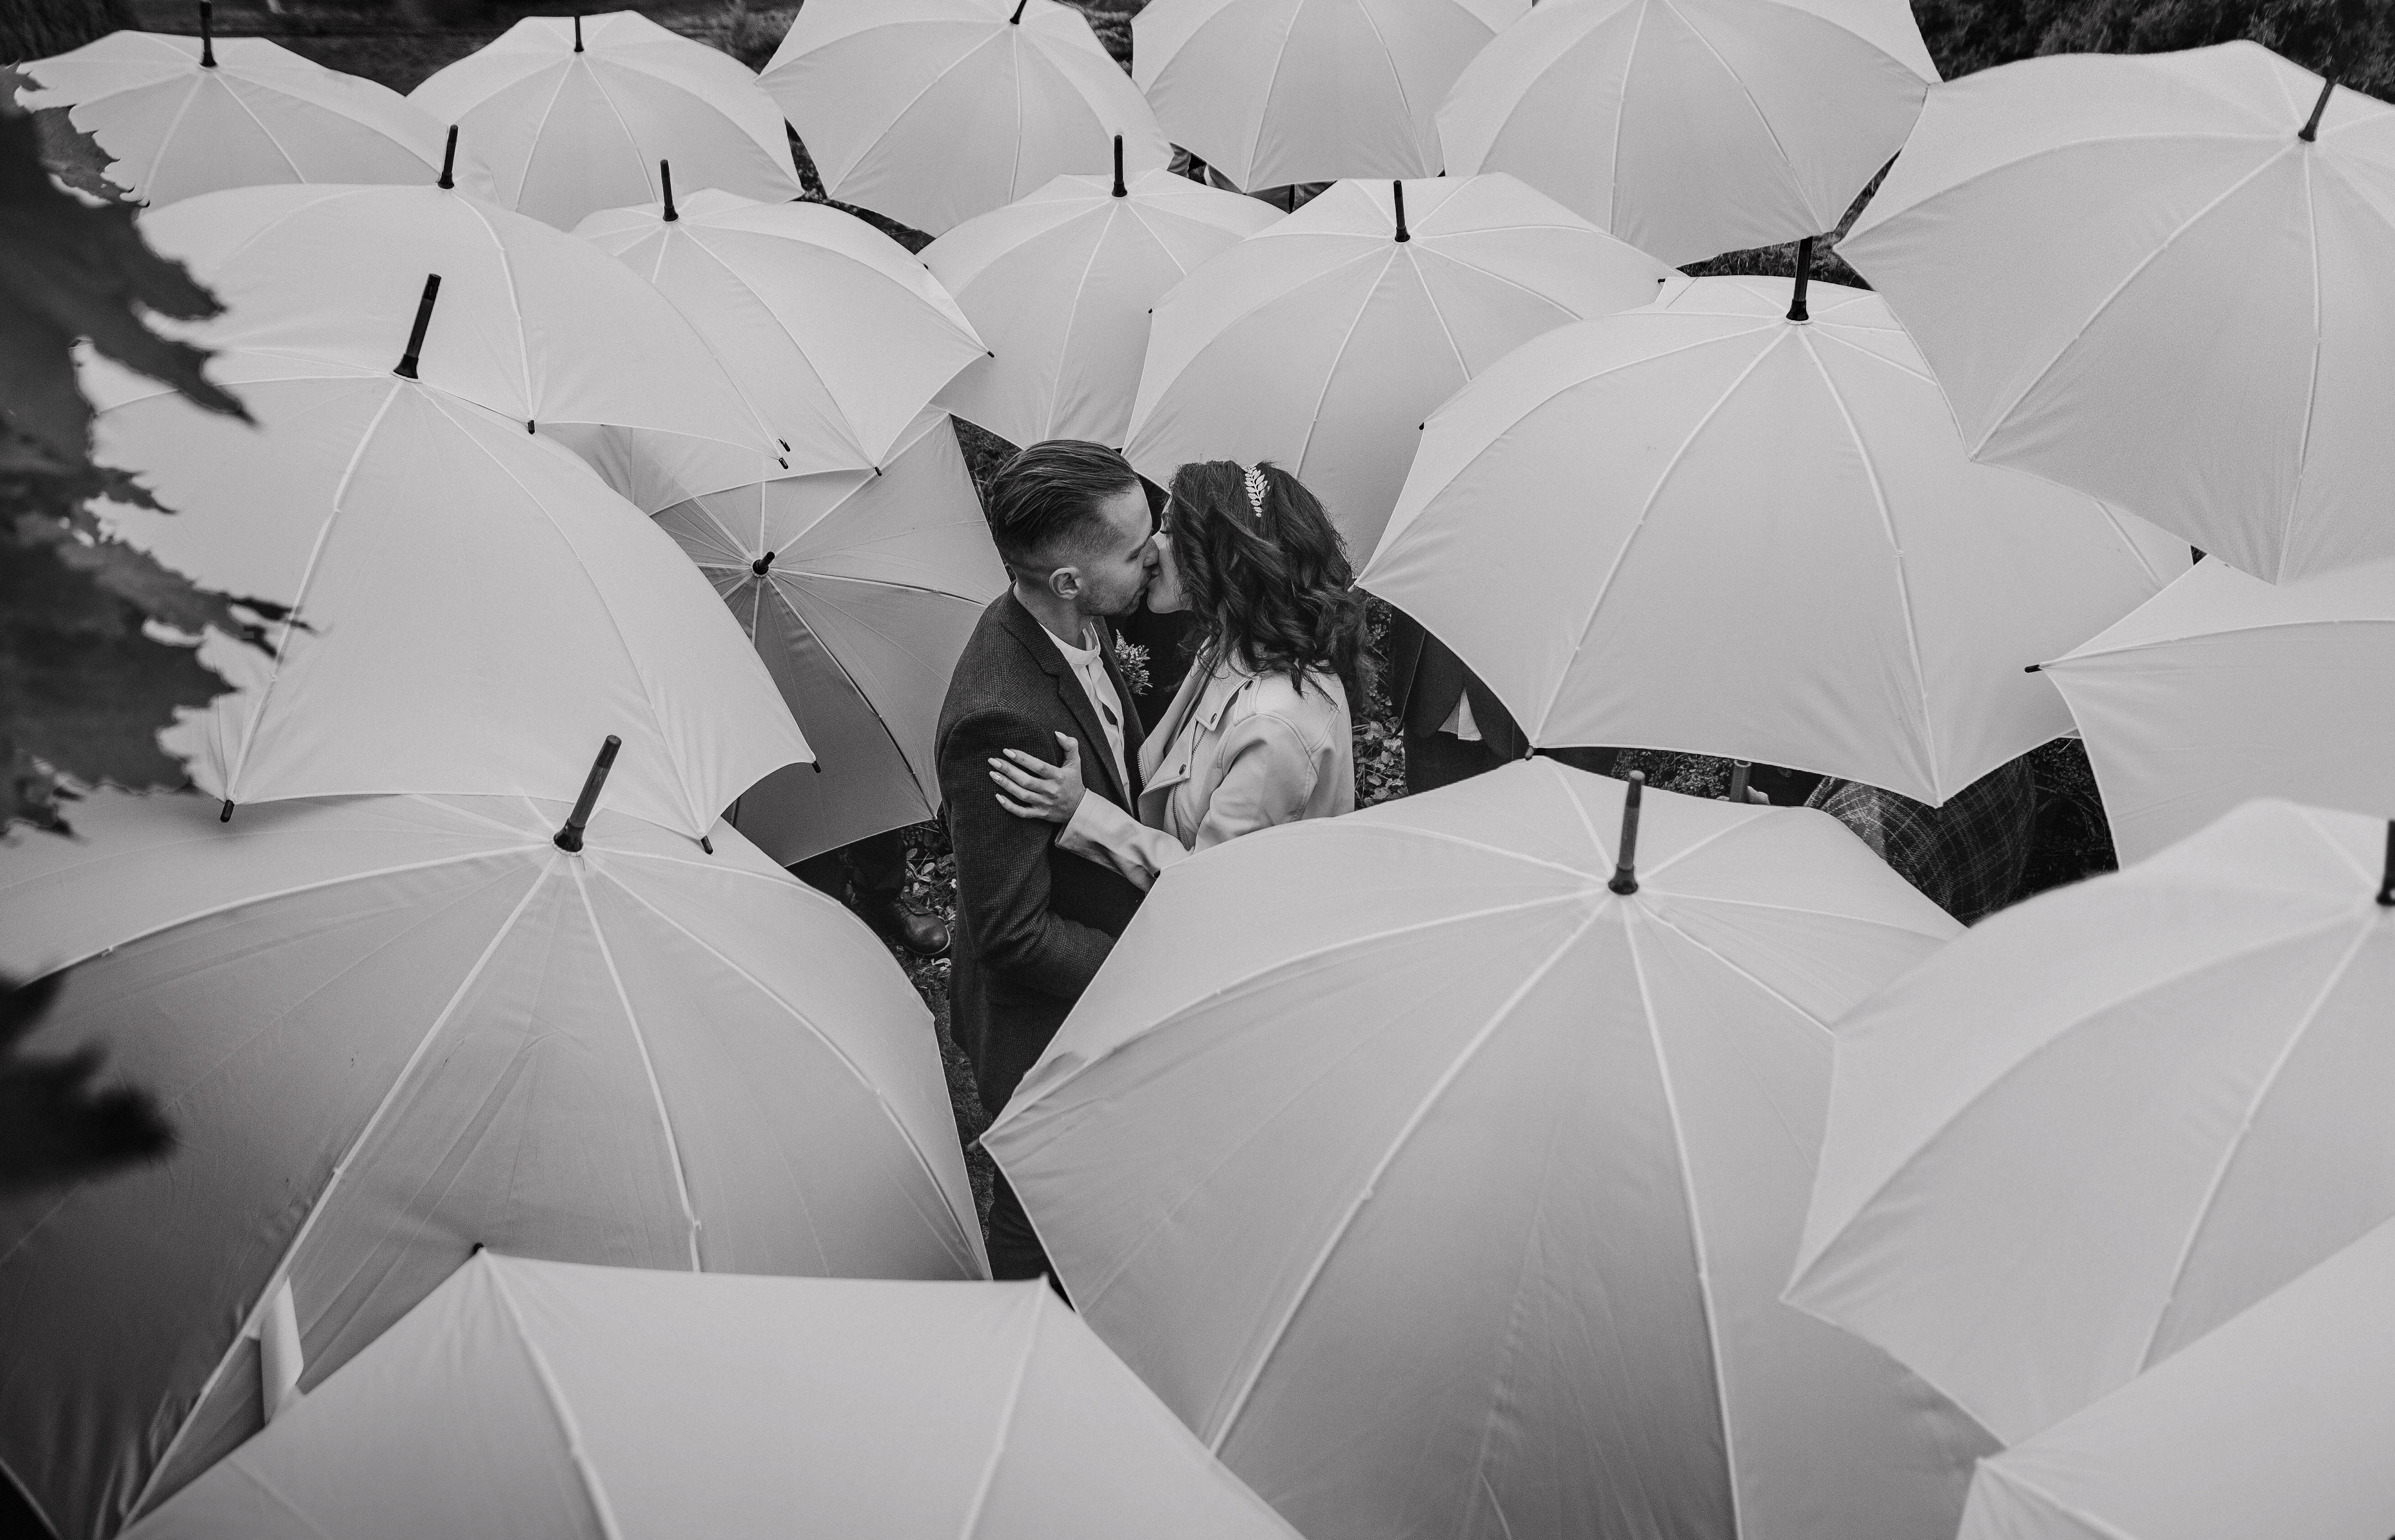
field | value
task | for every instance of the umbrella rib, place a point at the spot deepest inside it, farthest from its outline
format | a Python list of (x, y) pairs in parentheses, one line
[(2311, 386), (1693, 1214), (855, 1072), (2037, 1051), (299, 592), (1005, 1424), (554, 1394), (1389, 56), (1338, 355), (1645, 509), (158, 157), (1430, 1098), (2312, 622), (2228, 1154), (240, 1467), (1620, 110), (1895, 558), (847, 427), (648, 179), (540, 125), (281, 1272), (533, 405), (648, 1066), (1787, 163), (264, 132), (1998, 418), (871, 709), (1263, 102), (832, 181), (1073, 310)]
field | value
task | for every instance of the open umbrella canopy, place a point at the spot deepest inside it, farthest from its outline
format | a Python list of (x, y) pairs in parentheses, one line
[(2160, 278), (181, 116), (573, 114), (2278, 1423), (859, 591), (835, 333), (930, 112), (388, 1030), (1708, 526), (1447, 1187), (555, 1402), (1690, 127), (2222, 688), (533, 324), (472, 608), (2108, 1119), (1270, 92), (1061, 285), (1321, 343)]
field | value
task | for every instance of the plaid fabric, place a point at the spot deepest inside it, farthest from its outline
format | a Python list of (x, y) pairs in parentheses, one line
[(1967, 856)]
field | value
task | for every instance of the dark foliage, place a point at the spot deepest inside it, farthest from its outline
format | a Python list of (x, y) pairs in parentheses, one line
[(57, 1125), (2351, 40)]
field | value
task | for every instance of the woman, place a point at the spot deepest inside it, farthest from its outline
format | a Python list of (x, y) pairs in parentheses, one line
[(1260, 732)]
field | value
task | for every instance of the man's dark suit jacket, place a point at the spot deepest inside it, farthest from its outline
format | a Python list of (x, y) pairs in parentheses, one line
[(1425, 679), (1033, 920)]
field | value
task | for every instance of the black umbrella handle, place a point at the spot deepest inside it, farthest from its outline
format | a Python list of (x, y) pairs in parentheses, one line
[(569, 838)]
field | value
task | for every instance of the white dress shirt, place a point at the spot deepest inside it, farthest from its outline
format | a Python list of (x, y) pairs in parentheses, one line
[(1091, 669)]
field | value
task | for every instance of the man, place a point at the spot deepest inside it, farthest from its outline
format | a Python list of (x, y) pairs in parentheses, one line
[(1033, 920), (869, 875)]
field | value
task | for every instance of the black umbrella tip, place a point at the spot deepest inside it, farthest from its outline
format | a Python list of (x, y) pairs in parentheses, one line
[(2310, 130)]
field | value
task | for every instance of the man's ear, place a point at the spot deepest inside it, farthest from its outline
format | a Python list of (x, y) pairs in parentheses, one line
[(1065, 581)]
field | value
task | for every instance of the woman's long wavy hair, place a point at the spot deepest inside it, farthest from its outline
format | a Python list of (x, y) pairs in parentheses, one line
[(1275, 592)]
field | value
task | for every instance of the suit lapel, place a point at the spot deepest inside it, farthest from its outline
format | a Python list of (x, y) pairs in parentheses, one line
[(1133, 732), (1097, 767)]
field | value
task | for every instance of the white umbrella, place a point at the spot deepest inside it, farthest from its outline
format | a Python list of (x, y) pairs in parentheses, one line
[(1691, 129), (573, 116), (836, 334), (1708, 527), (930, 112), (555, 1402), (533, 324), (2108, 1119), (859, 590), (473, 608), (2222, 688), (388, 1030), (1322, 342), (2278, 1423), (1270, 92), (1445, 1188), (181, 116), (1061, 285), (2160, 278)]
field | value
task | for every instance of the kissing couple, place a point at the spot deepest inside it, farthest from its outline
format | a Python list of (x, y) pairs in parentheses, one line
[(1062, 808)]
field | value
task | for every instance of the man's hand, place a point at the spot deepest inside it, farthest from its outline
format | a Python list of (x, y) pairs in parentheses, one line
[(1030, 788)]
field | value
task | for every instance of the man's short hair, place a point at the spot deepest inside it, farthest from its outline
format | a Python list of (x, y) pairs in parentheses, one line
[(1046, 499)]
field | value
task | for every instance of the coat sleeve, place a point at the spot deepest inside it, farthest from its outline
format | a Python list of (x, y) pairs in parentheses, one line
[(1269, 776), (1002, 864)]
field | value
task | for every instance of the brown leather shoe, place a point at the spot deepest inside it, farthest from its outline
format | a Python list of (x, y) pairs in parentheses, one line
[(924, 935)]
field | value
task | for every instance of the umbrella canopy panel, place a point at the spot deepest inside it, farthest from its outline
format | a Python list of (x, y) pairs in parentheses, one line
[(872, 585), (2136, 276), (1062, 284), (2223, 687), (1445, 1190), (932, 111), (1270, 92), (531, 322), (2278, 1423), (573, 113), (1706, 527), (174, 127), (557, 1401), (1321, 343), (389, 1030), (837, 334), (1690, 127), (473, 610), (2107, 1120)]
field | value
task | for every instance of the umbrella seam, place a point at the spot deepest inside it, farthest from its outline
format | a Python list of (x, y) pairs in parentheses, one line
[(2192, 635), (1427, 245), (1073, 309), (2311, 384), (224, 83), (1999, 1472), (291, 621), (182, 110), (847, 424), (1396, 76), (244, 1470), (1620, 111), (1263, 102), (554, 1393), (1787, 163), (648, 1066), (1005, 1421), (866, 144), (565, 68), (1454, 1071), (1338, 354), (2004, 1076), (534, 403), (2235, 1145), (1997, 419), (1654, 495), (855, 1072), (1445, 332), (1933, 777), (1694, 1215), (281, 1272), (849, 679)]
